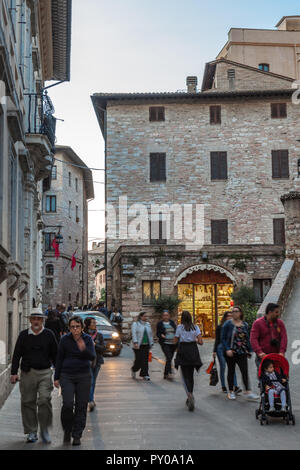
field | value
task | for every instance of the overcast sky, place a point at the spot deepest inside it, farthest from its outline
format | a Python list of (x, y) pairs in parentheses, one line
[(142, 45)]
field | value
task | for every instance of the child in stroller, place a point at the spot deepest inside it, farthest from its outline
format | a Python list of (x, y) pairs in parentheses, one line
[(274, 389)]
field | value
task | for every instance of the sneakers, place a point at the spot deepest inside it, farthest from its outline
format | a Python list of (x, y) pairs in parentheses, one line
[(92, 405), (45, 436), (251, 396), (231, 396), (76, 441), (133, 374), (237, 390), (147, 378), (32, 437), (271, 410)]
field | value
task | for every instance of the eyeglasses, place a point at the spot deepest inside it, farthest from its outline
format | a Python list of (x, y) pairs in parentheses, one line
[(75, 327)]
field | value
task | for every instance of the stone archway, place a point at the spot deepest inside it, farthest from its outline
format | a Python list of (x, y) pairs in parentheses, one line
[(205, 267)]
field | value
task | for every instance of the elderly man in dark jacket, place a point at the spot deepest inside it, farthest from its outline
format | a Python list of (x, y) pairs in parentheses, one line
[(165, 331)]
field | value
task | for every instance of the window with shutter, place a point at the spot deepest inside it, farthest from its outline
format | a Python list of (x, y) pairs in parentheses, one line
[(280, 164), (219, 232), (218, 162), (279, 231), (278, 110), (215, 114), (157, 167), (156, 113)]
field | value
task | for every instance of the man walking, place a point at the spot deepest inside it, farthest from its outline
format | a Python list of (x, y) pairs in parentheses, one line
[(268, 334), (165, 331), (37, 348)]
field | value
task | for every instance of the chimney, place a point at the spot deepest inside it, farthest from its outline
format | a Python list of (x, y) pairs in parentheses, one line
[(192, 83)]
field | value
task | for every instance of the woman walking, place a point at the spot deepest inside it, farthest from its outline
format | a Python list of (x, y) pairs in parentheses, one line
[(220, 353), (73, 374), (165, 331), (55, 324), (236, 343), (188, 358), (90, 328), (142, 340)]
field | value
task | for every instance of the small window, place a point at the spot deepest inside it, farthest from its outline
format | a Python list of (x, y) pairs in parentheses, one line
[(70, 297), (156, 113), (49, 270), (218, 164), (77, 214), (231, 73), (49, 282), (70, 179), (261, 287), (279, 231), (278, 110), (158, 232), (70, 209), (264, 67), (157, 167), (76, 184), (151, 291), (50, 203), (219, 232), (54, 172), (215, 114), (280, 164)]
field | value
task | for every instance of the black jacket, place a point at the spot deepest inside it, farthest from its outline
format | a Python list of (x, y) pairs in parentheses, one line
[(72, 361), (100, 349), (160, 330), (267, 381)]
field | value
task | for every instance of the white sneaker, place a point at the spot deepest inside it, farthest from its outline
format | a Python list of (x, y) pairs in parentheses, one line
[(271, 410), (133, 374), (251, 396), (147, 378), (231, 396)]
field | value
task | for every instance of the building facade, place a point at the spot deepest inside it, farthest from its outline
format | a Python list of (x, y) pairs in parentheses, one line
[(65, 212), (34, 48), (232, 148), (97, 277)]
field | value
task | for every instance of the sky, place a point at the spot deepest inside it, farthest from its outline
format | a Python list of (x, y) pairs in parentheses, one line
[(140, 46)]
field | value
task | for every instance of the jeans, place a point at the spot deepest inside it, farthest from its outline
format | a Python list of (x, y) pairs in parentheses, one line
[(141, 360), (271, 394), (75, 391), (168, 350), (242, 361), (95, 372), (222, 362)]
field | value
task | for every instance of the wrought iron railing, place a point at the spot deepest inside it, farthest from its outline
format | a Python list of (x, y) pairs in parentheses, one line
[(40, 116)]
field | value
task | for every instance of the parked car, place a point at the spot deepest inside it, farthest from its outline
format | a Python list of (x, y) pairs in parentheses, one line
[(111, 336)]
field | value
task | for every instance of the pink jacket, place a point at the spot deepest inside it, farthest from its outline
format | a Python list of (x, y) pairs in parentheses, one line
[(262, 333)]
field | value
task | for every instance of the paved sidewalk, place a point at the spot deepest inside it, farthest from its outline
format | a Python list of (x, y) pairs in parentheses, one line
[(138, 415)]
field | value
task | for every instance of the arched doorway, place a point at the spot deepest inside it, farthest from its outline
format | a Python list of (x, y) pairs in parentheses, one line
[(205, 291)]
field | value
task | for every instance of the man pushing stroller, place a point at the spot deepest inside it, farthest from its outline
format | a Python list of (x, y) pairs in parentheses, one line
[(273, 383)]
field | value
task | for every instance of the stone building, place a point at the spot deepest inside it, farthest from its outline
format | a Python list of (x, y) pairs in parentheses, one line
[(65, 212), (35, 39), (233, 147), (97, 278)]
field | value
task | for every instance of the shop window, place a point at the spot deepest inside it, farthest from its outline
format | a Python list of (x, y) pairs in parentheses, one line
[(156, 113), (50, 203), (218, 163), (279, 231), (151, 291), (215, 114), (219, 232), (261, 288), (264, 67), (157, 167), (278, 110), (280, 164)]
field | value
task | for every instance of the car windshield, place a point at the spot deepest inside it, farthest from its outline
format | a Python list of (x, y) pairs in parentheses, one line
[(101, 321)]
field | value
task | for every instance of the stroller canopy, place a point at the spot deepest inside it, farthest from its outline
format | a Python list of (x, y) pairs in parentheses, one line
[(280, 364)]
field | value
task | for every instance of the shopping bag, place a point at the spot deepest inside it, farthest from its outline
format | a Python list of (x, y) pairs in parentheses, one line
[(208, 370), (150, 356), (214, 377)]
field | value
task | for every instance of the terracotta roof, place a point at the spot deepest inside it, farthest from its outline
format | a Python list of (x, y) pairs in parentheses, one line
[(61, 35)]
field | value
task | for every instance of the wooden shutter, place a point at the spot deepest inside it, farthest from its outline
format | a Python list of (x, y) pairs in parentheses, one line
[(279, 231), (156, 113), (218, 162), (280, 164), (157, 167), (278, 110), (215, 114), (219, 232)]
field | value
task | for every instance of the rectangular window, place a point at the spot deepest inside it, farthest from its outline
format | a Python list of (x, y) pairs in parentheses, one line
[(158, 232), (156, 113), (157, 167), (151, 291), (49, 237), (70, 208), (77, 214), (76, 184), (215, 114), (279, 231), (70, 179), (54, 172), (50, 203), (49, 283), (264, 67), (278, 110), (261, 287), (219, 232), (218, 164), (280, 164)]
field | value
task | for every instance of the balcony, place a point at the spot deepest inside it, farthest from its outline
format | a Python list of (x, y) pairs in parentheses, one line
[(40, 132)]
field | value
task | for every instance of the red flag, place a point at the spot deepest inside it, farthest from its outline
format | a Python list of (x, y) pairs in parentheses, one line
[(73, 261), (55, 245)]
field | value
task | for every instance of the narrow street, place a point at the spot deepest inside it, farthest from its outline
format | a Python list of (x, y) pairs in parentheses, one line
[(134, 415)]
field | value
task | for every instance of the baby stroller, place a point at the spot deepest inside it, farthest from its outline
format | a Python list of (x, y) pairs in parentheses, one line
[(281, 365)]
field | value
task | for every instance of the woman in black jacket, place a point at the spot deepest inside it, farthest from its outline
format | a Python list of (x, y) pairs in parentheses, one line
[(165, 331), (90, 327)]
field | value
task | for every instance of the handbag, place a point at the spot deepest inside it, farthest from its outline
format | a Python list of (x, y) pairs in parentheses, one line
[(214, 376)]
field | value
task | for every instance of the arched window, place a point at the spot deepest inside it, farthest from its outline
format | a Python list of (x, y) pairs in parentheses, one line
[(49, 270), (264, 67)]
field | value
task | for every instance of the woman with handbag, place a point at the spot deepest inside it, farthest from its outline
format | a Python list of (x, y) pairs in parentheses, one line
[(236, 342), (90, 328), (142, 340), (188, 336)]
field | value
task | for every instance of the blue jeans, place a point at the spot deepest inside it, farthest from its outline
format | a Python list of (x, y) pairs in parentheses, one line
[(271, 394), (222, 362), (95, 372)]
